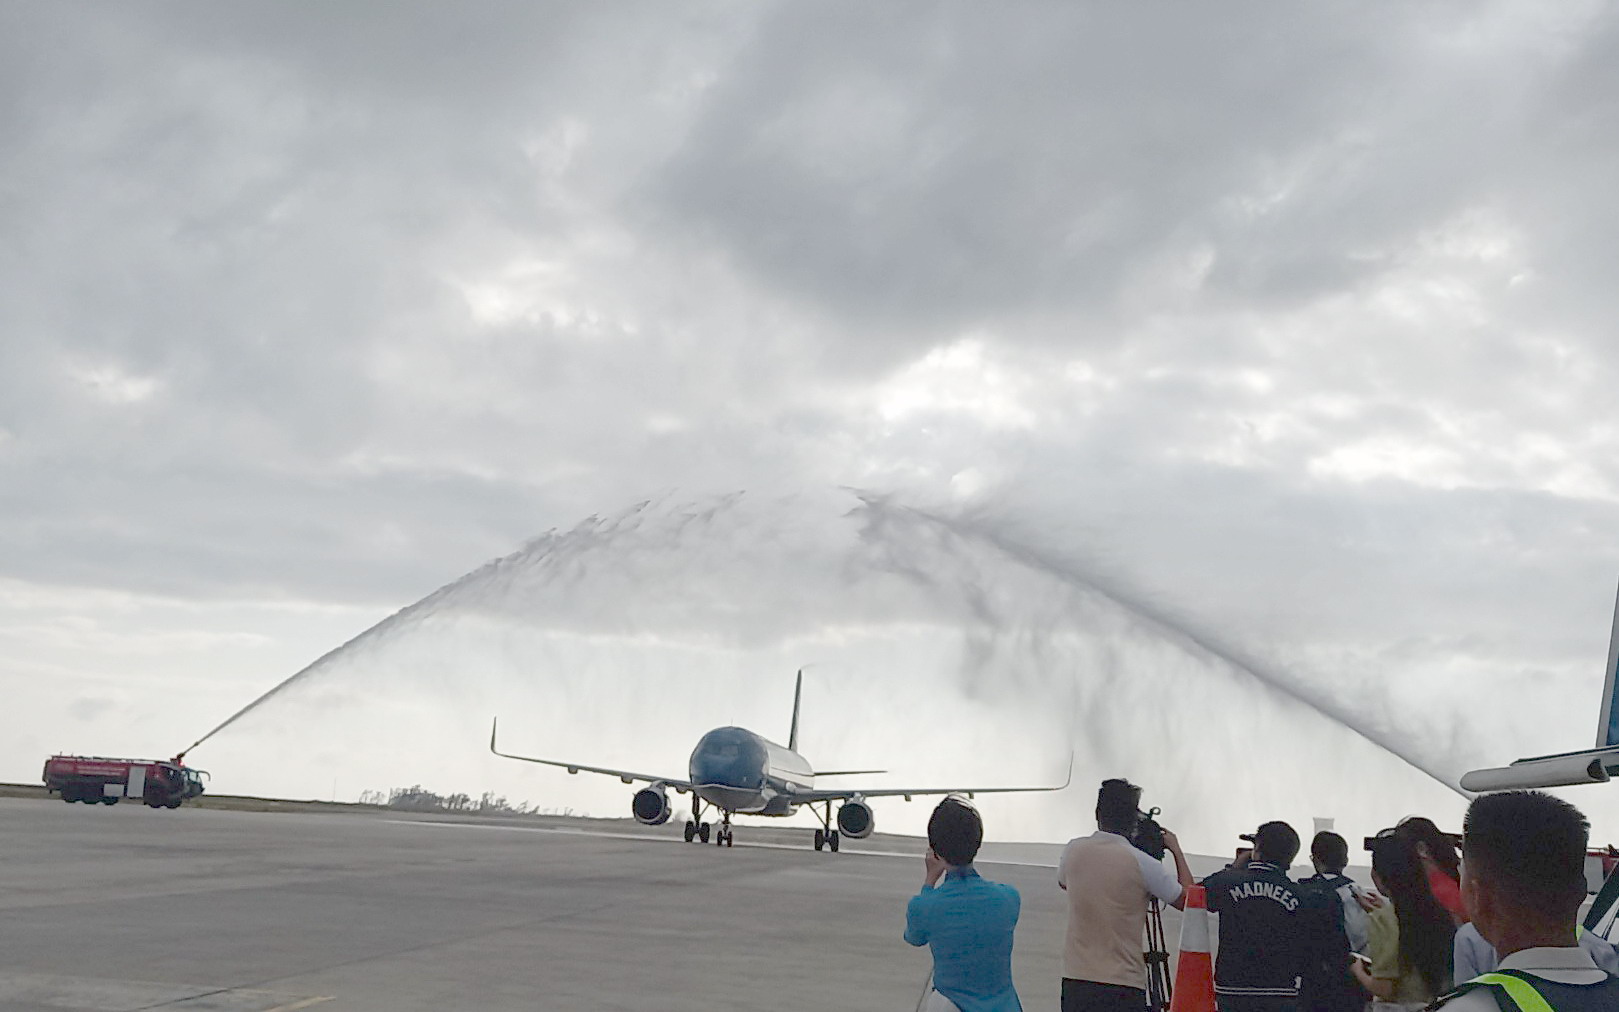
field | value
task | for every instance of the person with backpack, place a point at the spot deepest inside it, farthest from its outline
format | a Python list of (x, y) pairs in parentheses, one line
[(1328, 985), (1329, 854)]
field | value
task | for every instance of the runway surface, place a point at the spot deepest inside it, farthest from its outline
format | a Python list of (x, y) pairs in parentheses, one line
[(121, 908)]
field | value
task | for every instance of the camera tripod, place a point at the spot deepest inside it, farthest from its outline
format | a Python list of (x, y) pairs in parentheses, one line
[(1159, 989)]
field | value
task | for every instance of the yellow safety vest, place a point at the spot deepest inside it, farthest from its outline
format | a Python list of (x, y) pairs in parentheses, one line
[(1522, 993), (1602, 996)]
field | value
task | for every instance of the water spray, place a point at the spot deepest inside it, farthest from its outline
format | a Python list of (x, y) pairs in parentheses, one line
[(717, 586)]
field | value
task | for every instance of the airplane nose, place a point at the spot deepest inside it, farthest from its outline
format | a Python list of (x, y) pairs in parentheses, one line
[(725, 774), (729, 797), (728, 764)]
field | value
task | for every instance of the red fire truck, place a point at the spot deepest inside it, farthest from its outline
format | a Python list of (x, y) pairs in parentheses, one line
[(93, 779)]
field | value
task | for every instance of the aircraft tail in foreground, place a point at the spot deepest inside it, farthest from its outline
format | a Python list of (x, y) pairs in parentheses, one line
[(1568, 769)]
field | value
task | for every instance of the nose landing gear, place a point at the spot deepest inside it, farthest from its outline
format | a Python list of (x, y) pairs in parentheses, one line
[(696, 829)]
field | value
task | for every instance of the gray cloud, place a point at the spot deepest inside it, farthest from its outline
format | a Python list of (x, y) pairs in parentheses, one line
[(1296, 327)]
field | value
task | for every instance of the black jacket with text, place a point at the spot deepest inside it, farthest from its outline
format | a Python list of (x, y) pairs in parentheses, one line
[(1271, 930)]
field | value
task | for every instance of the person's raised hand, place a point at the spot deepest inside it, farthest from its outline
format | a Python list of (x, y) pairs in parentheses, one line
[(935, 867), (1172, 841)]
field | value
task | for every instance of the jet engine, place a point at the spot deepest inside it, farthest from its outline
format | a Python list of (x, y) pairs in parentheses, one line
[(855, 819), (651, 806)]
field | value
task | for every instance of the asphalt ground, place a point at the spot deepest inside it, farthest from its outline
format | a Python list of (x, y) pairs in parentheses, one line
[(118, 908)]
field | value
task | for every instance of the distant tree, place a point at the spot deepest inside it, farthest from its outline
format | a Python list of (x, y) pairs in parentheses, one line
[(417, 798)]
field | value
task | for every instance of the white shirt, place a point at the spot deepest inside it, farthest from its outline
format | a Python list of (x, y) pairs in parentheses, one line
[(1567, 965), (1473, 955)]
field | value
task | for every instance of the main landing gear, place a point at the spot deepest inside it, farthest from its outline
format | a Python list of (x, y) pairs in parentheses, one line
[(696, 829), (826, 838)]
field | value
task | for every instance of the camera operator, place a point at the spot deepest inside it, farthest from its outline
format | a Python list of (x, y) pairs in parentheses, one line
[(1110, 882), (1271, 930)]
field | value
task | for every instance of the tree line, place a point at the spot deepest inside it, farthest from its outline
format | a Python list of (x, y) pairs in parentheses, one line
[(417, 798)]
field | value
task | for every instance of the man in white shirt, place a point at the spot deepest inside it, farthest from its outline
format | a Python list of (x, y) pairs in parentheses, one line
[(1109, 884), (1523, 881), (1472, 955)]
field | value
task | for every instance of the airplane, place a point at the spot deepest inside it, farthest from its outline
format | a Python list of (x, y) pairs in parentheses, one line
[(1599, 765), (738, 772)]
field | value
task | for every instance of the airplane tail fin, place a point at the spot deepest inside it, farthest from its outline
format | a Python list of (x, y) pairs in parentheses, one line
[(1608, 726), (798, 695)]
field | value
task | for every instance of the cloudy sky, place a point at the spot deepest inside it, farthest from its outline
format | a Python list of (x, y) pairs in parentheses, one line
[(1289, 324)]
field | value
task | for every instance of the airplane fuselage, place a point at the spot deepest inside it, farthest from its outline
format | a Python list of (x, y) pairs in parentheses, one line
[(736, 770)]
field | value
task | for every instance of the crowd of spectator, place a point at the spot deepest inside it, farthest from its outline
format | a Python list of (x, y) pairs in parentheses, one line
[(1492, 927)]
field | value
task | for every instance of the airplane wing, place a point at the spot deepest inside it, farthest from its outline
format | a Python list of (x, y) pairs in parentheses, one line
[(844, 793), (627, 776)]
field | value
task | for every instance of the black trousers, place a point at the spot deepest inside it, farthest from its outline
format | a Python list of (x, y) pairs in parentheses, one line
[(1255, 1003), (1089, 996), (1334, 997)]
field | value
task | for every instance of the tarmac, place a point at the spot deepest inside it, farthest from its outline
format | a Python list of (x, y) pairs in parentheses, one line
[(119, 908)]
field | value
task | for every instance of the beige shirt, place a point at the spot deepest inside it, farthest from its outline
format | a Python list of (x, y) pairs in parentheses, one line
[(1108, 883)]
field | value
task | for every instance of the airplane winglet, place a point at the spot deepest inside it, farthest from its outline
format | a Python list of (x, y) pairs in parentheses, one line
[(798, 695)]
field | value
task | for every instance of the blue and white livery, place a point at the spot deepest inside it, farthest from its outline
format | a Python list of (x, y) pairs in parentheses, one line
[(737, 772)]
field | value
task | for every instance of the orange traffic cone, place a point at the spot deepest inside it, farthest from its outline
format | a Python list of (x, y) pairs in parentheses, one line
[(1194, 970)]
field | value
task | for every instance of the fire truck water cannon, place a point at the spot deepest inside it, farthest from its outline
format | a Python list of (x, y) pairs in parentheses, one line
[(99, 780)]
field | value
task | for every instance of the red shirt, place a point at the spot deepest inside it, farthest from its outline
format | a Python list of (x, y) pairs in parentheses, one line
[(1447, 892)]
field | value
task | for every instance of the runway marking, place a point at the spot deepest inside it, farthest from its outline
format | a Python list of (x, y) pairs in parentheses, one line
[(83, 994), (636, 837), (294, 1006), (647, 838)]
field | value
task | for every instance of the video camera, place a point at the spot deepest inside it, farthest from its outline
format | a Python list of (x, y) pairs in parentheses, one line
[(1148, 836), (1371, 842)]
